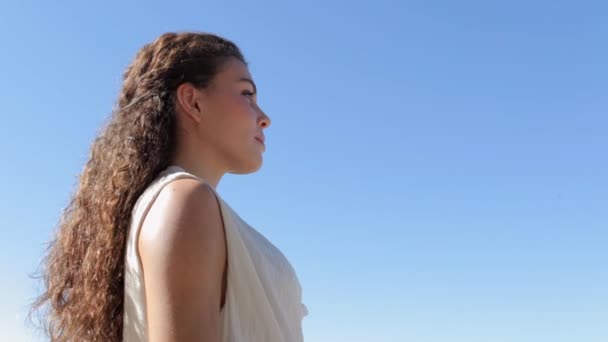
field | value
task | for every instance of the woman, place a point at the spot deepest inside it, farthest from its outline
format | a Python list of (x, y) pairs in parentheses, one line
[(146, 205)]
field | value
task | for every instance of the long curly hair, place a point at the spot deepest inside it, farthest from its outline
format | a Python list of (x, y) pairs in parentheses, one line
[(83, 269)]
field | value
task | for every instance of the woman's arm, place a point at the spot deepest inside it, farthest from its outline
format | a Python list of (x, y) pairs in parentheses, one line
[(183, 251)]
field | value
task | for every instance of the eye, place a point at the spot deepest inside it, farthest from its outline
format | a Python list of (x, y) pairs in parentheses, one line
[(247, 92)]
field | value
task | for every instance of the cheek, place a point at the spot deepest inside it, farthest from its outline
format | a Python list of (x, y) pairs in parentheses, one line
[(235, 123), (236, 106), (243, 115), (238, 126)]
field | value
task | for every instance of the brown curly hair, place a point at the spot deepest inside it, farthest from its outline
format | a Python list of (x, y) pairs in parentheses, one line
[(83, 270)]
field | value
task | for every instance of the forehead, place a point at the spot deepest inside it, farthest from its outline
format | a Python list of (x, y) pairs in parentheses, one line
[(232, 71)]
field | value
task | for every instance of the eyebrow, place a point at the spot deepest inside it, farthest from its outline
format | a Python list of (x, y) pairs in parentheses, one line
[(245, 79)]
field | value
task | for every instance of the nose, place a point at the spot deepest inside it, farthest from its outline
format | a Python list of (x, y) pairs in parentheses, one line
[(264, 120)]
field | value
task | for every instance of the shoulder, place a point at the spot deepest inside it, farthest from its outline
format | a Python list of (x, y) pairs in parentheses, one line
[(183, 254), (185, 211)]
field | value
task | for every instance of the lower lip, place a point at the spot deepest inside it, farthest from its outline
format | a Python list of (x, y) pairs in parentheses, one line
[(260, 141)]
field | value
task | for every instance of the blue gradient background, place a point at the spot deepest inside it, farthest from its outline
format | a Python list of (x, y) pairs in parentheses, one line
[(435, 171)]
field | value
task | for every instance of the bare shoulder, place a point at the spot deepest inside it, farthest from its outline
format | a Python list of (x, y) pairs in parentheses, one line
[(184, 209), (183, 253)]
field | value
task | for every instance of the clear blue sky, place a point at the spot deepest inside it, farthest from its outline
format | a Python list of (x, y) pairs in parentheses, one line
[(435, 171)]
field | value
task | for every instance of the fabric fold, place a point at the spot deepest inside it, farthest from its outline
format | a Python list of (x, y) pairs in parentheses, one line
[(263, 295)]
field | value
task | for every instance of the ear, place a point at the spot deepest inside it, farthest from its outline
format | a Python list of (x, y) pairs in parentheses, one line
[(189, 101)]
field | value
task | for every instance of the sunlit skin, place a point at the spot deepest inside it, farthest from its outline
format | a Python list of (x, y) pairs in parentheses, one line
[(182, 242), (218, 126)]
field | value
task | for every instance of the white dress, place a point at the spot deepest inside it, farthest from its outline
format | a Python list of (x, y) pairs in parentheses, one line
[(263, 295)]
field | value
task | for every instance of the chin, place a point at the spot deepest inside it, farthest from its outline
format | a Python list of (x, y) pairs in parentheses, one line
[(250, 166)]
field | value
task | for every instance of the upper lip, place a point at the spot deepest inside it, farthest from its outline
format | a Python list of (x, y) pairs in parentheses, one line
[(260, 138)]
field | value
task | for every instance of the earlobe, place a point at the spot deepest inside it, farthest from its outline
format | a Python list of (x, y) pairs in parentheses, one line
[(198, 107), (188, 101)]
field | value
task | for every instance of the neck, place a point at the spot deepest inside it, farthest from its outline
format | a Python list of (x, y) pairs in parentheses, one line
[(203, 164)]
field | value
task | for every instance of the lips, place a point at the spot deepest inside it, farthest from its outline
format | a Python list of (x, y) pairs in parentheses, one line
[(260, 139)]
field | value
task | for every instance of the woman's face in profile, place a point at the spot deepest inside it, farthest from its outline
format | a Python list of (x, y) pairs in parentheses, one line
[(232, 120)]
